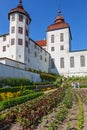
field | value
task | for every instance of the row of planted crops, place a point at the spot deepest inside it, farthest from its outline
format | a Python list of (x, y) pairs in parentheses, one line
[(29, 113), (26, 106)]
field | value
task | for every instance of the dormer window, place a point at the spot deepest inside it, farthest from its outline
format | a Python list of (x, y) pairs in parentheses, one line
[(21, 18)]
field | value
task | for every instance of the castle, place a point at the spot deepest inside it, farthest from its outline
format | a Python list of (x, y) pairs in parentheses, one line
[(52, 55)]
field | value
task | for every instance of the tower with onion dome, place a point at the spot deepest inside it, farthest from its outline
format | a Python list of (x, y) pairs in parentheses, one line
[(18, 32), (59, 44)]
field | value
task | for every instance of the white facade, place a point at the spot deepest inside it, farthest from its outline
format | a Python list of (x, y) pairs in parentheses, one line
[(64, 61), (17, 47), (54, 55)]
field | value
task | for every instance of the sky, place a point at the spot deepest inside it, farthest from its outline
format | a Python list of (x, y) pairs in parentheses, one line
[(44, 12)]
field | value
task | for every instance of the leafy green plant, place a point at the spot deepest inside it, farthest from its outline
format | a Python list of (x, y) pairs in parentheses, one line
[(80, 114)]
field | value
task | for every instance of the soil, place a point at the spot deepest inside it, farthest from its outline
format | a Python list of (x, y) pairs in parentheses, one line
[(70, 123)]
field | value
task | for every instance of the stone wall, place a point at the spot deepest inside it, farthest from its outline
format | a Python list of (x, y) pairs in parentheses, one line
[(8, 71)]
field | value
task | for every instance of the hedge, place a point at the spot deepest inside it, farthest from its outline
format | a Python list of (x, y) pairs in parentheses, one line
[(47, 77), (15, 89), (15, 101), (14, 82)]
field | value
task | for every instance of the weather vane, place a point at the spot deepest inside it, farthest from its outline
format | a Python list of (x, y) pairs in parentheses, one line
[(20, 1), (59, 5)]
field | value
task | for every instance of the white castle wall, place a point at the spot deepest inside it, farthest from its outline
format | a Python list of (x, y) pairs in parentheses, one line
[(8, 71)]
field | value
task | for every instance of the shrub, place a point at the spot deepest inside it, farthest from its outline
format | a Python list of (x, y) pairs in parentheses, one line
[(14, 82), (47, 77), (15, 101)]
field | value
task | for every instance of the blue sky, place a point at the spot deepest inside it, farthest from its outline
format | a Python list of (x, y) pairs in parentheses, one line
[(43, 13)]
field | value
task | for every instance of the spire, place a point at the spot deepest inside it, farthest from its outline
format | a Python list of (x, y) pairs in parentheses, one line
[(59, 12), (20, 1)]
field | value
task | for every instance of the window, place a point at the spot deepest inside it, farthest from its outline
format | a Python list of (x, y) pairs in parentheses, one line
[(21, 18), (4, 38), (61, 37), (40, 49), (61, 47), (82, 61), (7, 45), (45, 53), (20, 56), (35, 46), (35, 54), (45, 60), (26, 21), (72, 62), (62, 62), (26, 44), (52, 63), (40, 57), (20, 30), (12, 41), (13, 29), (13, 17), (52, 48), (26, 32), (28, 50), (4, 48), (20, 41), (52, 38)]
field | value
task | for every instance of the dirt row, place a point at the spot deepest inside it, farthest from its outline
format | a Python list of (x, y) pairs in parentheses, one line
[(70, 123)]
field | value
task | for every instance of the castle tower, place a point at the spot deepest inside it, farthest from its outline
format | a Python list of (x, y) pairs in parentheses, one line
[(19, 32), (58, 44)]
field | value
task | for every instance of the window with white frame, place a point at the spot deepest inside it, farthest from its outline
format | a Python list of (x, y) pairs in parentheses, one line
[(72, 61), (12, 41), (13, 29), (13, 17), (20, 41), (61, 62), (61, 47), (61, 37), (52, 48), (82, 61), (21, 18), (52, 63), (20, 30), (52, 38)]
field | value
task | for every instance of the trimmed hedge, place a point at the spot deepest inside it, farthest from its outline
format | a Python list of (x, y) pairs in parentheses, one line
[(14, 82), (15, 89), (47, 77), (18, 100)]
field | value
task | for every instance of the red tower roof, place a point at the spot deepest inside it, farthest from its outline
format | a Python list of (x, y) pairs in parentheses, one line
[(41, 42), (59, 23), (19, 9)]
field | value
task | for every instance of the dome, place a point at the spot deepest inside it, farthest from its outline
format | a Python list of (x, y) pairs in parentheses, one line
[(19, 9), (59, 23)]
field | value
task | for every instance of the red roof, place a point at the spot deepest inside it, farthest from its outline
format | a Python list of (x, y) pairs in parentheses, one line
[(19, 9), (59, 23), (57, 26), (41, 42)]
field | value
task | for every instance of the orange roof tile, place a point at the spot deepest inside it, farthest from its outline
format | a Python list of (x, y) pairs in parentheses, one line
[(41, 42), (59, 23), (57, 26), (19, 9)]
